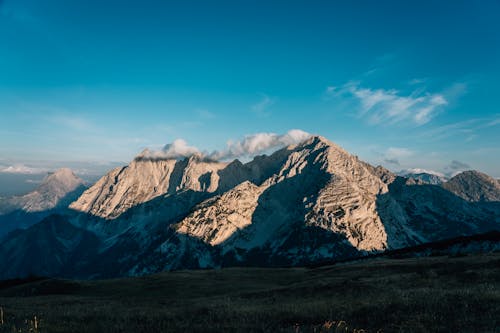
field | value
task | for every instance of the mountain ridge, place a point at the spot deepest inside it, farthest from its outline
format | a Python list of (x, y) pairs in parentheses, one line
[(305, 203)]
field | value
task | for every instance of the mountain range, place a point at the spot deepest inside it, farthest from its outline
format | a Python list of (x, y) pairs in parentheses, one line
[(304, 204)]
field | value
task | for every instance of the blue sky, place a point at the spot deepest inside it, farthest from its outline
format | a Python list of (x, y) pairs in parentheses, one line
[(405, 84)]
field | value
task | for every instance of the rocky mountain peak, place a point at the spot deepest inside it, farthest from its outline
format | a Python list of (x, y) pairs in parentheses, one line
[(58, 188), (63, 179)]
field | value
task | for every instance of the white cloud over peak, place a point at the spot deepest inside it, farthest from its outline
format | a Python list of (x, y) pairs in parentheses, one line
[(398, 152), (260, 142), (179, 148), (249, 146)]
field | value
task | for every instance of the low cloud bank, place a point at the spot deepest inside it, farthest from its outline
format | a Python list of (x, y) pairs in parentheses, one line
[(21, 169), (249, 146), (258, 143)]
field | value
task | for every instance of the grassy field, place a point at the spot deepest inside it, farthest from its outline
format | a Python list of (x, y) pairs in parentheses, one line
[(436, 294)]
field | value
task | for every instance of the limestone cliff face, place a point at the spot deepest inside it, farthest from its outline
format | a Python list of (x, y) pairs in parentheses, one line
[(217, 219), (347, 203), (146, 179)]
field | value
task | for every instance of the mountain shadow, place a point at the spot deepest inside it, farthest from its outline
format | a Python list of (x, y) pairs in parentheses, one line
[(140, 232), (432, 213), (51, 247)]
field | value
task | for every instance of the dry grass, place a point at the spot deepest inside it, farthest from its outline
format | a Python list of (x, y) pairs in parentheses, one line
[(438, 294)]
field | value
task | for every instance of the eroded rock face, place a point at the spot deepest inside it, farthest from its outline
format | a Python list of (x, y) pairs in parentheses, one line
[(317, 185), (146, 179), (217, 219)]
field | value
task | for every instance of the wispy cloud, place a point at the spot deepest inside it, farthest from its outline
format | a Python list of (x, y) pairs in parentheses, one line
[(33, 181), (72, 122), (261, 108), (398, 152), (68, 118), (468, 129), (417, 81), (389, 106), (455, 167), (393, 155), (22, 169), (204, 114), (494, 122), (392, 161)]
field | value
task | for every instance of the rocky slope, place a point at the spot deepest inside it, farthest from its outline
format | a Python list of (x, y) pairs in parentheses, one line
[(303, 204), (145, 179), (474, 186), (317, 185)]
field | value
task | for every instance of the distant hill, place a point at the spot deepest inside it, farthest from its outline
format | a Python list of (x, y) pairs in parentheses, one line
[(56, 191)]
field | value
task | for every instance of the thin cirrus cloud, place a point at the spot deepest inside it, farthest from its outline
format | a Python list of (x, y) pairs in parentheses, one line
[(382, 106), (249, 146), (398, 152), (468, 129), (393, 155), (455, 167), (261, 108)]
